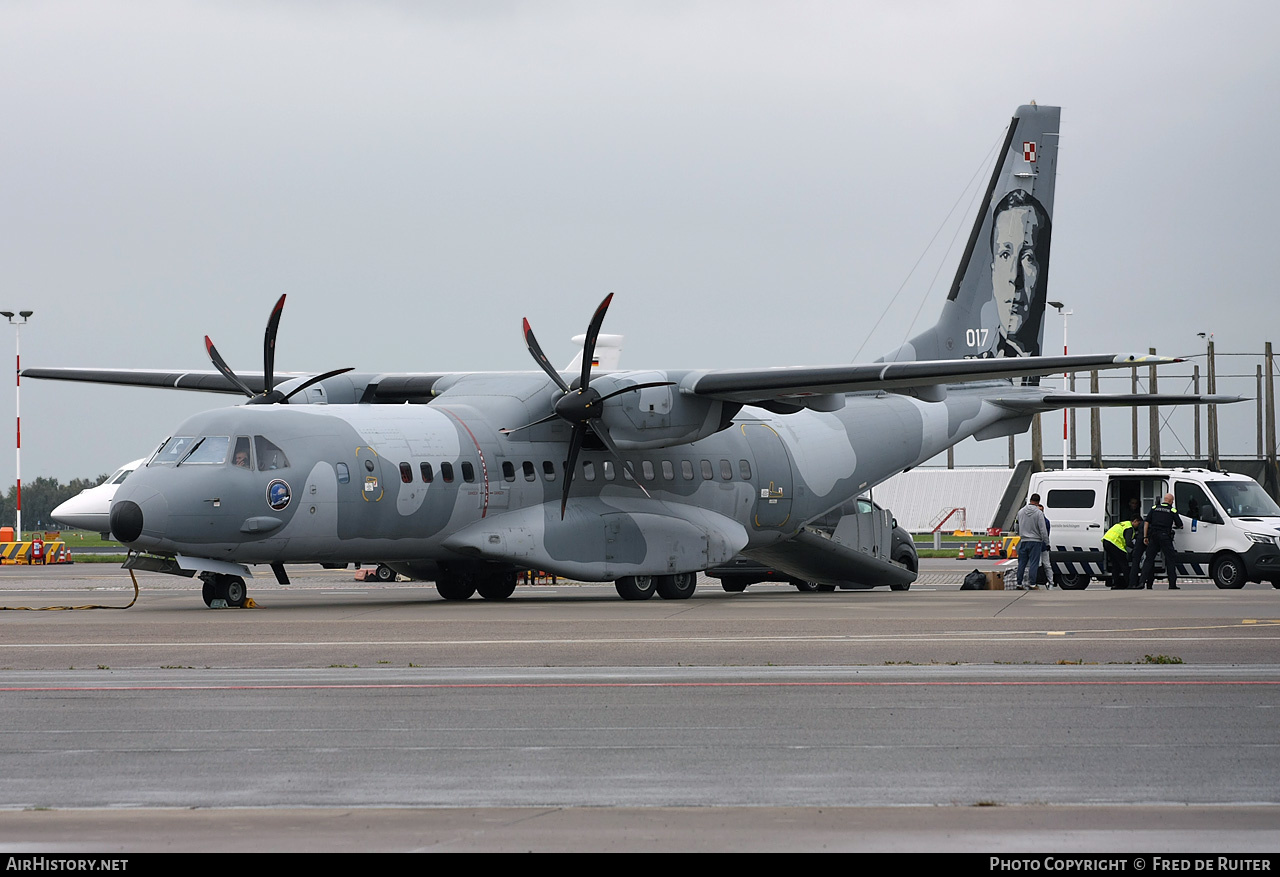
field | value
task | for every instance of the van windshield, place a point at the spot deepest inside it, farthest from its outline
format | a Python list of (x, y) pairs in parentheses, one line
[(1244, 499)]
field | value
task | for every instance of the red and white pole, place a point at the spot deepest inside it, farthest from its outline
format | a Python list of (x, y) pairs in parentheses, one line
[(17, 403)]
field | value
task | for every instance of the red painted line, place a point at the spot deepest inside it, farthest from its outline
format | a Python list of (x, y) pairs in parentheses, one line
[(505, 685)]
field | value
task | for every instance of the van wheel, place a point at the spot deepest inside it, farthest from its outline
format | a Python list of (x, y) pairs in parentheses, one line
[(826, 587), (1072, 581), (1228, 572), (906, 586), (736, 585), (804, 587), (384, 573)]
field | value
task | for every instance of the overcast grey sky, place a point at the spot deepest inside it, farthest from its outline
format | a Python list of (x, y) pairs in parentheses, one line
[(754, 180)]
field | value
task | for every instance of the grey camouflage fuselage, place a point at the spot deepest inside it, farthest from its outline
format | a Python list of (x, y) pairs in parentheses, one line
[(768, 474)]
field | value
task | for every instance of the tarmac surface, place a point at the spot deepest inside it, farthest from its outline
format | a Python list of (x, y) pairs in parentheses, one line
[(349, 716)]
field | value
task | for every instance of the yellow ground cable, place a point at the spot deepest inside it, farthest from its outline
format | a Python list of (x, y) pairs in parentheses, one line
[(89, 606)]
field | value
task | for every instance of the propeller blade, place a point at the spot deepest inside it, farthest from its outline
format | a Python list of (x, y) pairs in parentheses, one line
[(575, 445), (589, 344), (220, 364), (269, 347), (317, 379), (541, 358), (636, 387), (603, 434), (547, 419)]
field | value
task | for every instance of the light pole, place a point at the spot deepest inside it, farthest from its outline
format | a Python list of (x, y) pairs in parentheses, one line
[(17, 404), (1212, 374), (1061, 309)]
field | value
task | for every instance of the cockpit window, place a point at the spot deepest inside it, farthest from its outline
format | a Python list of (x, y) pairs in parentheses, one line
[(117, 476), (209, 450), (240, 457), (269, 456), (172, 451)]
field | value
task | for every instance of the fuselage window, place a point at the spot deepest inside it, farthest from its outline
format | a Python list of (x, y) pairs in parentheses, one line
[(406, 473), (744, 467), (589, 471), (607, 466), (446, 472), (707, 474), (269, 456), (344, 473), (427, 475), (468, 472), (726, 470), (548, 470), (646, 467), (529, 473), (508, 471), (240, 457), (668, 472), (686, 469)]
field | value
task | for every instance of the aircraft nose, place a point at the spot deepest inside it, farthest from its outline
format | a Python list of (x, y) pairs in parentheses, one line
[(126, 520)]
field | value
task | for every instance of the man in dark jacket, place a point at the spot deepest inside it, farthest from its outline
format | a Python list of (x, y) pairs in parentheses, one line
[(1162, 520)]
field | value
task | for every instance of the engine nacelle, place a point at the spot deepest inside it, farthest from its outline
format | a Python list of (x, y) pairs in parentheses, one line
[(658, 417)]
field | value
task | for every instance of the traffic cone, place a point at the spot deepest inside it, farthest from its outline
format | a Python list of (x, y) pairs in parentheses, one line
[(960, 556), (979, 551)]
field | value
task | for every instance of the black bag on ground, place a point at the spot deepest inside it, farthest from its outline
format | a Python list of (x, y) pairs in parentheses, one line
[(974, 581)]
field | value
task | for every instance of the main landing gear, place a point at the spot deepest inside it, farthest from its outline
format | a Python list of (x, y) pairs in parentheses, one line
[(677, 587), (230, 590), (490, 585)]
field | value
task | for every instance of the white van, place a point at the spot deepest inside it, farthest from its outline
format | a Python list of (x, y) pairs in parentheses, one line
[(1230, 526)]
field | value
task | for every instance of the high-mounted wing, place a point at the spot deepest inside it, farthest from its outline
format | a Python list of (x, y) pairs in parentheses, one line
[(200, 381), (764, 386)]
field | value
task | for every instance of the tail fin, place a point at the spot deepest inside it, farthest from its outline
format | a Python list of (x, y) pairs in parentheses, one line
[(997, 301)]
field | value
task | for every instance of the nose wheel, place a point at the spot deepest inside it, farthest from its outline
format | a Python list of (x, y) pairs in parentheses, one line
[(231, 590)]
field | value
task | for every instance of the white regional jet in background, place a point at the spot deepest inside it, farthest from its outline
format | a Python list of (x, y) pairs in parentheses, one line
[(639, 477), (89, 509)]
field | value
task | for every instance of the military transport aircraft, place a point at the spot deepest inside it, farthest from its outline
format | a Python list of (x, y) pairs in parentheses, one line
[(640, 477)]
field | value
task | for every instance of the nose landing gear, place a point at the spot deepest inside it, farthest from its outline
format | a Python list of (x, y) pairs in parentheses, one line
[(230, 590)]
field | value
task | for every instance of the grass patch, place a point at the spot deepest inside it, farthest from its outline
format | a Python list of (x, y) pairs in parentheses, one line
[(1161, 659)]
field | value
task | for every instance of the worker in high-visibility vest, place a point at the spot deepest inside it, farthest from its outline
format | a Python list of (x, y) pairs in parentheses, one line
[(1115, 545)]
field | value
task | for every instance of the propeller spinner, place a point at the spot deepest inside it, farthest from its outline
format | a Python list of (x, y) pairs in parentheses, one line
[(269, 393), (584, 406)]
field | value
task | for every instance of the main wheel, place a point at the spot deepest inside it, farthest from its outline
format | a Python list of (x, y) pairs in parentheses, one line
[(208, 592), (825, 588), (1072, 581), (234, 591), (498, 586), (804, 587), (677, 587), (905, 586), (384, 573), (455, 587), (1228, 572), (635, 587)]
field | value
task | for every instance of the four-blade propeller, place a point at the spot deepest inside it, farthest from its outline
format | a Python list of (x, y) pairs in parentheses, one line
[(269, 393), (582, 406)]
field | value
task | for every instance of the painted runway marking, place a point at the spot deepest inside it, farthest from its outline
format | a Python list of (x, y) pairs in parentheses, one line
[(418, 686)]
